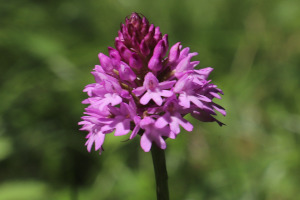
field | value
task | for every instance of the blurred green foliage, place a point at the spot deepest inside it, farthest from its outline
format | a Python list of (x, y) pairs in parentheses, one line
[(47, 50)]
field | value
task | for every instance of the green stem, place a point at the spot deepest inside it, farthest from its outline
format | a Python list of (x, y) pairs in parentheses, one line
[(161, 175)]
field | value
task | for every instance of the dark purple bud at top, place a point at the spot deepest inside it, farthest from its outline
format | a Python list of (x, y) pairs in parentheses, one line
[(144, 29), (145, 21), (126, 36), (157, 34), (134, 41), (152, 29), (165, 39), (149, 37), (144, 48), (135, 20), (135, 61), (130, 29), (124, 32), (120, 36)]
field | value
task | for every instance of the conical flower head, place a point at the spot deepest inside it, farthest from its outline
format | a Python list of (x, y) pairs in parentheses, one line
[(142, 90)]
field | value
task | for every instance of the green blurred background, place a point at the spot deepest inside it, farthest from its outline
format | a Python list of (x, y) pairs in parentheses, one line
[(47, 51)]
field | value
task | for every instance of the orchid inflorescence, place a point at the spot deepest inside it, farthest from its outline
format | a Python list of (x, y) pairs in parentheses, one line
[(138, 88)]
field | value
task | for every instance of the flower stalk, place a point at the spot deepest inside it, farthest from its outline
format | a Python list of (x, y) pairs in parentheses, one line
[(161, 175)]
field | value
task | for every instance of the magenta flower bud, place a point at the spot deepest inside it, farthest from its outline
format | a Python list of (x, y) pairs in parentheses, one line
[(135, 20), (135, 61), (157, 34), (152, 29), (126, 72), (149, 37), (166, 41), (130, 30), (160, 49), (155, 63), (120, 36), (174, 53), (125, 33), (145, 50), (123, 50), (134, 41), (145, 29), (115, 56), (105, 62), (145, 21), (138, 89)]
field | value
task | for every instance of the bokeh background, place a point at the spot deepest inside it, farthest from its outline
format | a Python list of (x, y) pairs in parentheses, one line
[(47, 50)]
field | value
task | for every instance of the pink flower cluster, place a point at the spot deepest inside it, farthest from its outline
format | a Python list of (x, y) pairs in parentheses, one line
[(144, 89)]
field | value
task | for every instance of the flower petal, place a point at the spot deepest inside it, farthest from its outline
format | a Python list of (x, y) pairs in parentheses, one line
[(99, 139), (115, 99), (184, 123), (122, 128), (166, 93), (162, 121), (135, 131), (184, 101), (174, 126), (145, 98), (156, 98), (196, 101), (166, 84), (139, 91), (160, 142), (146, 143)]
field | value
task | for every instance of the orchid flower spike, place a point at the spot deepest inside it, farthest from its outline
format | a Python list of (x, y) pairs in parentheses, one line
[(140, 89)]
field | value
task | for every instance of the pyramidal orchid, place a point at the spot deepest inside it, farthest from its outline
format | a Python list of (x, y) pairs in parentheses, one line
[(146, 88)]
